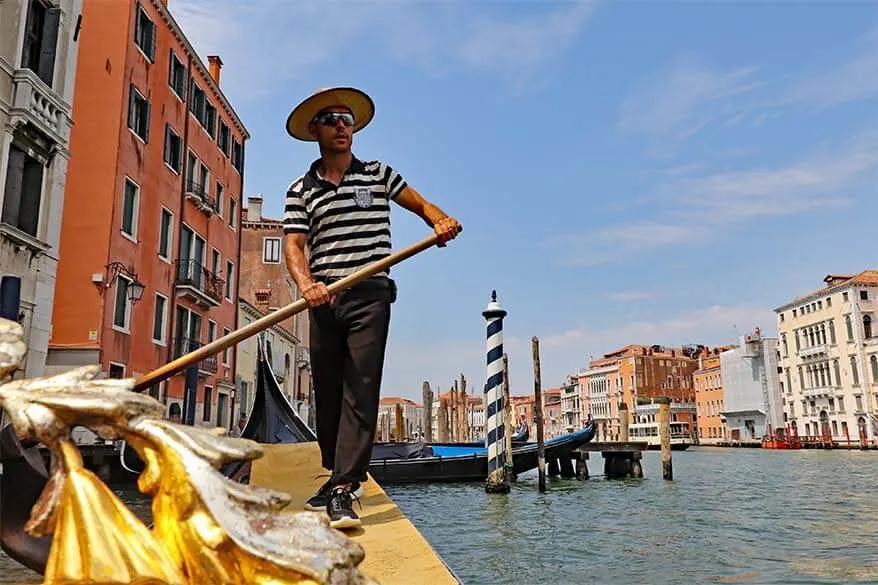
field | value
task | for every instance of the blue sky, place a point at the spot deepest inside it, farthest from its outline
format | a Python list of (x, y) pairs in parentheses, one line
[(625, 172)]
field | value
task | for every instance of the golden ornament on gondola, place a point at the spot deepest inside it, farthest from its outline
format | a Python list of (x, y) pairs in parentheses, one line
[(207, 528)]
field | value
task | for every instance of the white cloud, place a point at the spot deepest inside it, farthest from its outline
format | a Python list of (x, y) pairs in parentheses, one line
[(674, 99), (562, 352), (267, 43), (631, 295), (696, 208), (689, 95)]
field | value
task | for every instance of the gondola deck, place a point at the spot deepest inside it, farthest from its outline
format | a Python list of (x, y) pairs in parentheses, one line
[(395, 551)]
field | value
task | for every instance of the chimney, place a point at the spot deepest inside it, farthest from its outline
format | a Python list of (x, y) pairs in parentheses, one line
[(215, 65), (254, 208)]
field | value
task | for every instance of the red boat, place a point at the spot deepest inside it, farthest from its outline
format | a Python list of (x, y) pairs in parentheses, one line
[(776, 439)]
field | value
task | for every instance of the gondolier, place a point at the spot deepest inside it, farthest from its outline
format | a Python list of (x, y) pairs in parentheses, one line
[(340, 210)]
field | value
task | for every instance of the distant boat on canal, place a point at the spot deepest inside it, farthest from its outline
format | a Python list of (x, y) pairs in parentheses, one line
[(681, 435)]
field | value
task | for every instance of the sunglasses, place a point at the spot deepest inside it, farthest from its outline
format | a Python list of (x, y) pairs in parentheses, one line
[(332, 118)]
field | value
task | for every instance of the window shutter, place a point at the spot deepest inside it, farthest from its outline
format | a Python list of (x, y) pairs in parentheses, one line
[(50, 43), (152, 36), (14, 179), (171, 68), (168, 145), (148, 113), (131, 112)]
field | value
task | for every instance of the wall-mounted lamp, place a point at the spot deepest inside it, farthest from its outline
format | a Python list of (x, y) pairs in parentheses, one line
[(135, 288)]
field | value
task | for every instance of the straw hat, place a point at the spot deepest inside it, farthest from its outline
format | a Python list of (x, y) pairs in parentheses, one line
[(360, 104)]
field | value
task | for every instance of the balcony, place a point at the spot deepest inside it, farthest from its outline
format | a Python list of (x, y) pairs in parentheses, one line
[(819, 392), (198, 283), (196, 193), (184, 345), (814, 350), (35, 103)]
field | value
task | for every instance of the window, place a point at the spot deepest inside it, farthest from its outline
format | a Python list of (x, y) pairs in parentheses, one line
[(832, 332), (849, 327), (144, 33), (781, 317), (230, 269), (844, 296), (41, 40), (173, 149), (225, 138), (215, 262), (122, 307), (867, 326), (208, 399), (211, 331), (177, 76), (209, 122), (187, 335), (24, 190), (160, 319), (219, 198), (828, 302), (855, 375), (165, 234), (864, 295), (873, 361), (138, 114), (837, 370), (197, 101), (130, 201), (233, 213), (237, 155), (116, 371), (226, 351), (841, 404), (271, 250)]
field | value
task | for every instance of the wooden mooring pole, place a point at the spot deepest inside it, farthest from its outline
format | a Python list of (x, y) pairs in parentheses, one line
[(538, 415), (507, 404), (664, 420), (623, 422), (427, 417)]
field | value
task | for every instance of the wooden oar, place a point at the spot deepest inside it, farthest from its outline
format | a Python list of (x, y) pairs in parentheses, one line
[(226, 341)]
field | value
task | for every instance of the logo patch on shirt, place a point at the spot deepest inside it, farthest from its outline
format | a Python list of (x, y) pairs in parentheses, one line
[(363, 197)]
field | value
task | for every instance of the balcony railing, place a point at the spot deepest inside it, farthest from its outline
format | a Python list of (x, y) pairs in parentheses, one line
[(198, 194), (184, 345), (34, 102), (819, 391), (812, 351), (206, 287)]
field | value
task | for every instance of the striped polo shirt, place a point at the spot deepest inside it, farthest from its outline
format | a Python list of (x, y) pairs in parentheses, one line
[(348, 226)]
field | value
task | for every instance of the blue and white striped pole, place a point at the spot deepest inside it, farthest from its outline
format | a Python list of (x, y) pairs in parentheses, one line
[(495, 412)]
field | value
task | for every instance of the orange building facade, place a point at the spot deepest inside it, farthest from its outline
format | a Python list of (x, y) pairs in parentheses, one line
[(709, 397), (150, 237)]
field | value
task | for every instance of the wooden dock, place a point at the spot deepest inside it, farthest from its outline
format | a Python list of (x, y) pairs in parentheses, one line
[(621, 458), (395, 551)]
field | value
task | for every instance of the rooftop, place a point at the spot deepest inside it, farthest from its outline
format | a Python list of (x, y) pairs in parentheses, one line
[(834, 283)]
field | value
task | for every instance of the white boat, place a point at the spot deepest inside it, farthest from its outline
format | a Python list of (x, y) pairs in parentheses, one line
[(681, 435)]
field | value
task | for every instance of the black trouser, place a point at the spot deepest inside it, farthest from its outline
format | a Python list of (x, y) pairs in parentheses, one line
[(348, 341)]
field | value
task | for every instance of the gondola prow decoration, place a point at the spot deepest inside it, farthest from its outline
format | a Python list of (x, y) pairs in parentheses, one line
[(207, 528), (226, 341)]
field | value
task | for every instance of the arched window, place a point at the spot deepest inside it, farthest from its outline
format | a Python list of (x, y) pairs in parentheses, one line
[(837, 373), (867, 326), (850, 328), (874, 362), (855, 375), (832, 332)]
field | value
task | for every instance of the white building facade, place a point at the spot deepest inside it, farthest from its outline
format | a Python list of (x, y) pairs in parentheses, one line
[(753, 406), (38, 52), (828, 355), (603, 397), (571, 404)]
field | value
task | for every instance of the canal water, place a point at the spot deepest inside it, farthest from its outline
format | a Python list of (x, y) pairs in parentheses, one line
[(729, 516)]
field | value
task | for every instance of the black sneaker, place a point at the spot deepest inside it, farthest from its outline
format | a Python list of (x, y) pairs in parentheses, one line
[(318, 501), (340, 508)]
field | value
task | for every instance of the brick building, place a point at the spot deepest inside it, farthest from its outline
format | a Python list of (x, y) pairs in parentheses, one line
[(639, 371), (265, 285), (150, 234)]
